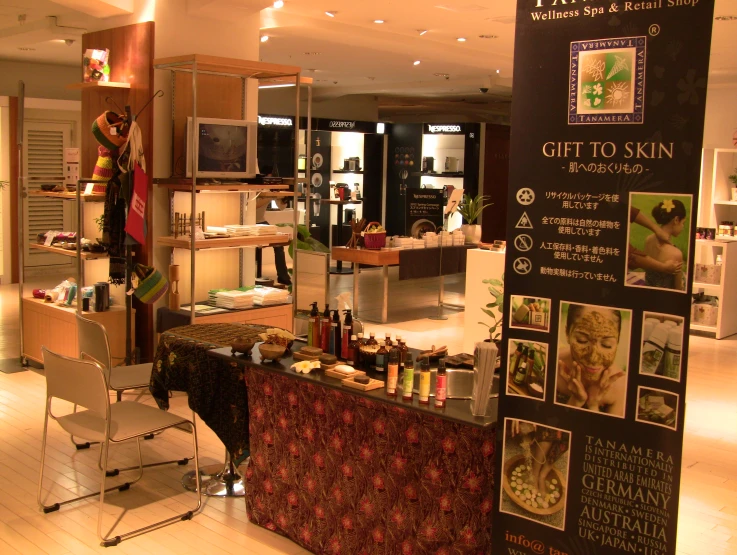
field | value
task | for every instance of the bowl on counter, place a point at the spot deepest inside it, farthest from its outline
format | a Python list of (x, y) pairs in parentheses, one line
[(271, 352)]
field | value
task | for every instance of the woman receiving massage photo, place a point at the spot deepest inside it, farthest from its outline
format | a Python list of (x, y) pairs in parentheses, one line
[(670, 215), (588, 376)]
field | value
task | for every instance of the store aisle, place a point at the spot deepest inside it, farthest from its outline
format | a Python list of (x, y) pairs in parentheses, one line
[(708, 512)]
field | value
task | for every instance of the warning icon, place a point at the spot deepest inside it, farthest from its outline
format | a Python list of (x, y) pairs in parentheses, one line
[(524, 222)]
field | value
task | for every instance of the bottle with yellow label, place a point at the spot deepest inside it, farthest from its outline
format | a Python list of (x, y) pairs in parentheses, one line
[(425, 382)]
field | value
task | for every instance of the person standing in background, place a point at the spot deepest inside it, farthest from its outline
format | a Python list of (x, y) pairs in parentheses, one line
[(280, 258)]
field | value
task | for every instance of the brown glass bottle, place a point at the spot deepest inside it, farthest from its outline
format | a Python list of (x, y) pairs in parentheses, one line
[(359, 355), (441, 385), (388, 341), (352, 357), (392, 373), (382, 359), (371, 347)]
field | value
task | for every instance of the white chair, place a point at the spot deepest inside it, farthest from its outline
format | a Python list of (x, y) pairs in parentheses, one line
[(83, 383), (94, 344)]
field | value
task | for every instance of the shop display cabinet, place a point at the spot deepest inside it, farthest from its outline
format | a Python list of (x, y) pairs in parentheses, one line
[(194, 74)]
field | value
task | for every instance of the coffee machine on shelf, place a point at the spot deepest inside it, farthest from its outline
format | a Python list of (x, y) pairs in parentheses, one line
[(428, 164), (451, 164)]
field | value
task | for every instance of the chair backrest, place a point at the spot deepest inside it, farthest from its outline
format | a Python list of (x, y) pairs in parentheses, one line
[(81, 382), (93, 342)]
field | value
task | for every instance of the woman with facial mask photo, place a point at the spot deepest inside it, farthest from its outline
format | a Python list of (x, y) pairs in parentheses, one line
[(588, 376)]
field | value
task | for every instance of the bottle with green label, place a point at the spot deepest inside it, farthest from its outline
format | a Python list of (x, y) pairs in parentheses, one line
[(408, 378)]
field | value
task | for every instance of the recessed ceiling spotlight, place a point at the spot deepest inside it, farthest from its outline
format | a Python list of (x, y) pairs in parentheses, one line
[(726, 18), (264, 38), (312, 53), (378, 21), (422, 31), (278, 4), (416, 63), (461, 39), (330, 14), (488, 36), (498, 70)]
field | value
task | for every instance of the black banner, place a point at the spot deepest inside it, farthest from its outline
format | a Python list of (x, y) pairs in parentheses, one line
[(608, 119)]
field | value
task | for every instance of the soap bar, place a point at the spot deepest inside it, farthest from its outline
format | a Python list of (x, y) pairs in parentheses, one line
[(328, 359), (345, 369), (311, 351), (362, 379)]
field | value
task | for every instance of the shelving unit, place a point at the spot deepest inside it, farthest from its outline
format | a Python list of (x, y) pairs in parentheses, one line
[(195, 64), (706, 253), (54, 326)]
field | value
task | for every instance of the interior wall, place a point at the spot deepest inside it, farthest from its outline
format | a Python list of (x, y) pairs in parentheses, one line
[(5, 192), (42, 80), (721, 116), (356, 107)]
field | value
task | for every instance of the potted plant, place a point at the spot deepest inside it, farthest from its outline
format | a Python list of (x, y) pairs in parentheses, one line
[(733, 179), (470, 209), (495, 310)]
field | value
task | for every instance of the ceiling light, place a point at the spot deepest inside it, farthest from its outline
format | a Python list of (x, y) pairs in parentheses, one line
[(726, 18), (378, 21), (422, 31), (278, 4), (461, 39), (312, 53), (276, 86), (498, 70), (417, 62), (264, 38), (488, 36), (441, 75), (330, 14)]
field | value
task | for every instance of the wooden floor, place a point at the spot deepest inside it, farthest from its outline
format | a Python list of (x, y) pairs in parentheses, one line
[(708, 512)]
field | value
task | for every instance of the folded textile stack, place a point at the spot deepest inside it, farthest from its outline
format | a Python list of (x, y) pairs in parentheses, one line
[(446, 239), (251, 230), (401, 242), (265, 296), (235, 299), (459, 239), (418, 243), (212, 295), (431, 239)]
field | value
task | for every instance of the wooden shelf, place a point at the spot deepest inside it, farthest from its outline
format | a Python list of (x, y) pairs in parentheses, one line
[(726, 202), (71, 254), (715, 289), (453, 175), (228, 66), (699, 327), (95, 197), (224, 243), (73, 308), (222, 187), (359, 172), (99, 85)]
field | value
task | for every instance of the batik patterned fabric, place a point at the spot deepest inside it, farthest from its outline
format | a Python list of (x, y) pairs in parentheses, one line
[(216, 388), (339, 473)]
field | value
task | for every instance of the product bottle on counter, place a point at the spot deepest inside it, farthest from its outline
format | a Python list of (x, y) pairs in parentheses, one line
[(521, 373), (672, 364), (441, 385), (334, 345), (359, 355), (408, 378), (388, 341), (425, 381), (313, 327), (372, 346), (352, 356), (516, 357), (347, 333), (653, 350), (382, 359), (325, 330), (403, 350), (392, 373)]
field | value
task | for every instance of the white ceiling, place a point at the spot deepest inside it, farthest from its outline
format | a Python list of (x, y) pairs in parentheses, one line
[(350, 54)]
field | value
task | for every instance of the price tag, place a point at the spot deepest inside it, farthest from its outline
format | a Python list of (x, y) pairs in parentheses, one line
[(50, 235)]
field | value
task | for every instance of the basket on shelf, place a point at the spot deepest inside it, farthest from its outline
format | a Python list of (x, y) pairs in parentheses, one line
[(376, 240)]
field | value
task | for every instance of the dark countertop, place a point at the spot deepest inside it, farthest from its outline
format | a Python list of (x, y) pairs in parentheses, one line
[(456, 410)]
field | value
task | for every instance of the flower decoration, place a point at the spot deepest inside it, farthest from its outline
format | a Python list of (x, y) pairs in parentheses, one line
[(668, 205)]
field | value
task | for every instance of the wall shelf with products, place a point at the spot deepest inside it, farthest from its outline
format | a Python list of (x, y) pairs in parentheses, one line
[(716, 261), (97, 85)]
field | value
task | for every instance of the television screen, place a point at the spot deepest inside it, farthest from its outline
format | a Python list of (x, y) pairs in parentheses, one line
[(222, 148)]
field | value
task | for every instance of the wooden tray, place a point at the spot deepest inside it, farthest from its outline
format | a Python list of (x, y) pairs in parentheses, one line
[(299, 356), (373, 384), (338, 376)]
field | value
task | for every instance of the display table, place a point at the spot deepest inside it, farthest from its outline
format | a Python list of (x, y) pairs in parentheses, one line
[(342, 471), (413, 264), (216, 390)]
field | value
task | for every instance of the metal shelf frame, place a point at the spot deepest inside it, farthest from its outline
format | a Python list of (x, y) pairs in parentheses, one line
[(268, 74)]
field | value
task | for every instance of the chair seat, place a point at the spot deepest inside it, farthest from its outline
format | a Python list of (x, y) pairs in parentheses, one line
[(130, 377), (127, 420)]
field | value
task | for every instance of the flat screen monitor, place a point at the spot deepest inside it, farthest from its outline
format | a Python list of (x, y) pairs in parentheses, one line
[(224, 148)]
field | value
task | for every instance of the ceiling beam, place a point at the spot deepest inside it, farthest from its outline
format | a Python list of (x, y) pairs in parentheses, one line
[(37, 31), (99, 8)]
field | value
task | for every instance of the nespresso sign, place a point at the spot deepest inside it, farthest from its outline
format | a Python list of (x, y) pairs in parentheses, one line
[(275, 121), (449, 129), (334, 124)]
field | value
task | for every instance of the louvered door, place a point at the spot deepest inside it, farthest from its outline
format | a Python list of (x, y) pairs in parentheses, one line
[(43, 160)]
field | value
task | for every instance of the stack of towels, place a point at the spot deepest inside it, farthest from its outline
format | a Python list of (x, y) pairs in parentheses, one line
[(251, 230), (235, 300), (266, 296)]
